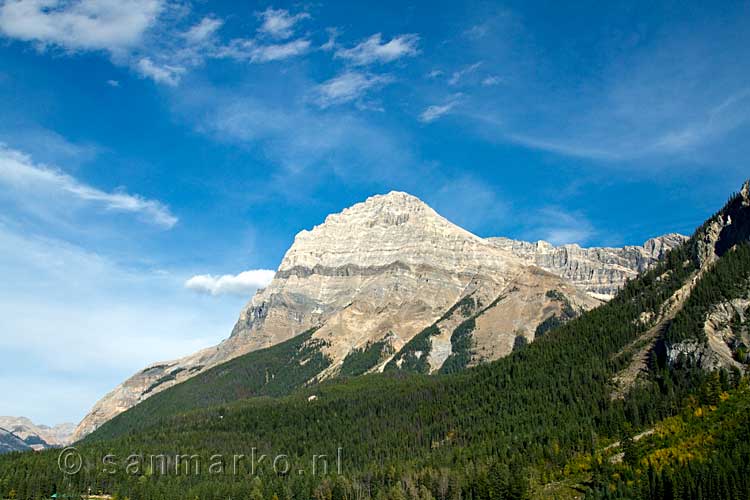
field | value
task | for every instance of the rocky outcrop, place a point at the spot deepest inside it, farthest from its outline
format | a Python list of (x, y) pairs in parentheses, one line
[(380, 272), (726, 343), (728, 227), (600, 271), (9, 442)]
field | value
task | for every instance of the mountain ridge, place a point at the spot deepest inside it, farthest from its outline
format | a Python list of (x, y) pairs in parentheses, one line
[(36, 437), (382, 270)]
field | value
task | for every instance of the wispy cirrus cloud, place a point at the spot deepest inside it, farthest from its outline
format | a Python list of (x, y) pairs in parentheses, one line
[(491, 80), (436, 111), (165, 73), (559, 226), (251, 50), (461, 73), (347, 87), (279, 23), (374, 50), (40, 184), (305, 144), (677, 94), (244, 284), (204, 30)]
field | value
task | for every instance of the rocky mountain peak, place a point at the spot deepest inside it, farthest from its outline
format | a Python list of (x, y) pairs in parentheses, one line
[(395, 227), (388, 210), (382, 271)]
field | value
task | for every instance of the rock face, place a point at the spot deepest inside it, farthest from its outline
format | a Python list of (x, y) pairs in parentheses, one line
[(37, 437), (384, 270), (598, 271)]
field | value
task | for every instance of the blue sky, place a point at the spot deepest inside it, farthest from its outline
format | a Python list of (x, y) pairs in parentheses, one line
[(147, 142)]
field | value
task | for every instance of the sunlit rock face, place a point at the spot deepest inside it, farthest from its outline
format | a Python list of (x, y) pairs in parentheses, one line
[(598, 271)]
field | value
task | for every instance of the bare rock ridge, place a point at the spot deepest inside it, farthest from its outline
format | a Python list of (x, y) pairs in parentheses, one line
[(598, 271), (726, 323), (33, 436), (386, 269)]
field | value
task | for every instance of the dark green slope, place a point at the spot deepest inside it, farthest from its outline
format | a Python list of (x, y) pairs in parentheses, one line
[(268, 372)]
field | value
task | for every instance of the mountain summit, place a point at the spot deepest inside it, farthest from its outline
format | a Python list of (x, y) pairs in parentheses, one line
[(390, 281)]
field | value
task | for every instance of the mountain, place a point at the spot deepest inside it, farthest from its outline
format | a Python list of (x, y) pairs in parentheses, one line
[(9, 442), (38, 437), (593, 407), (387, 283)]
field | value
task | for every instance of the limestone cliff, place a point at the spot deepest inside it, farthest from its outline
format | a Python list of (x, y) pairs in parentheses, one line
[(600, 271)]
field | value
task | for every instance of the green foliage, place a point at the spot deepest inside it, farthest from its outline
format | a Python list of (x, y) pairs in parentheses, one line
[(567, 309), (461, 345), (413, 356), (548, 324), (702, 452), (359, 361), (555, 321), (519, 343), (268, 372)]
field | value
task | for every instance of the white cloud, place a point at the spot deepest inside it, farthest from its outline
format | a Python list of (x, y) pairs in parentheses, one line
[(306, 145), (244, 284), (373, 50), (432, 113), (266, 53), (112, 25), (279, 23), (167, 74), (330, 44), (247, 49), (113, 83), (47, 146), (29, 180), (347, 87), (204, 30), (467, 70), (126, 29), (493, 80)]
